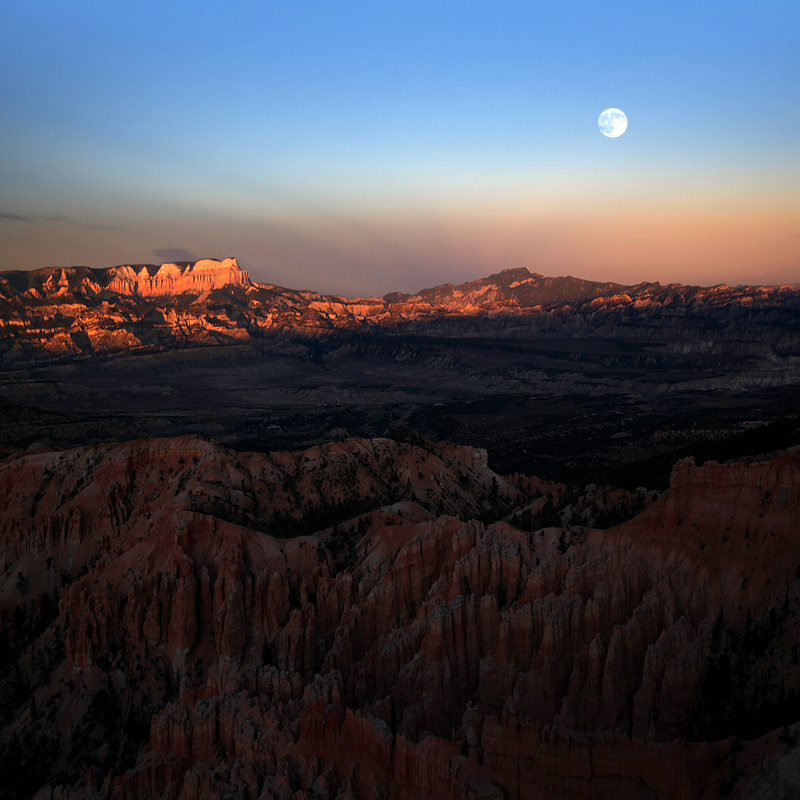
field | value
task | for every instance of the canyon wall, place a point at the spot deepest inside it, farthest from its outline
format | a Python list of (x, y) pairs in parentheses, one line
[(184, 621)]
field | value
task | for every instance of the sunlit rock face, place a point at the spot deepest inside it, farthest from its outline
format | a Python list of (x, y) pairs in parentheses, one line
[(189, 621), (173, 279), (64, 313)]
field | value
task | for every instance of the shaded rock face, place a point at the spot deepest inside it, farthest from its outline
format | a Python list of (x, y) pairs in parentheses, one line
[(407, 651), (68, 313)]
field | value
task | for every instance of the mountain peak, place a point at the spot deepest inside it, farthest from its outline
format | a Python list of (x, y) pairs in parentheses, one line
[(517, 271)]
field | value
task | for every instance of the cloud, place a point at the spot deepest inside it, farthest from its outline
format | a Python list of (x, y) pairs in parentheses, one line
[(35, 218), (60, 219), (174, 254), (15, 217)]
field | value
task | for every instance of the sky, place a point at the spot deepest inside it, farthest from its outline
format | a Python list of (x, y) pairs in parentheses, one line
[(359, 148)]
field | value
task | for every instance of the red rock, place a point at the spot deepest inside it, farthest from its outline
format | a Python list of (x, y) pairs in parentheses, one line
[(444, 662), (111, 306)]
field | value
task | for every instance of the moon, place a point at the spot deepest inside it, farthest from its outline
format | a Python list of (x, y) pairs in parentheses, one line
[(612, 123)]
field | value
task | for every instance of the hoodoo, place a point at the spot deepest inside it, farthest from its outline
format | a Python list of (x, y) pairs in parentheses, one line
[(182, 627)]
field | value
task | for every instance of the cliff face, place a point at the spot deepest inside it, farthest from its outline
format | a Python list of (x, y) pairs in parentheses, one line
[(172, 279), (211, 636), (80, 312)]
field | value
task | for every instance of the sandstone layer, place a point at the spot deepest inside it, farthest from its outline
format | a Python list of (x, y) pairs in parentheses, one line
[(68, 313), (366, 619)]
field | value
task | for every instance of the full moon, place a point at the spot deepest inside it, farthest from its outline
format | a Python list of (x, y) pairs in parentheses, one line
[(612, 123)]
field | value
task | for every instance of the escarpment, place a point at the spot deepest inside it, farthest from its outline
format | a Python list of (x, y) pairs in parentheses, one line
[(65, 314), (210, 636)]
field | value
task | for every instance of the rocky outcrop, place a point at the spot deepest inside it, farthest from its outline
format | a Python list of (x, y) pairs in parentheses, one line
[(172, 279), (62, 313), (388, 657)]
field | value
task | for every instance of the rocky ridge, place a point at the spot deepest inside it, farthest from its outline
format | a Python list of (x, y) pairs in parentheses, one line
[(215, 635), (174, 279), (80, 312)]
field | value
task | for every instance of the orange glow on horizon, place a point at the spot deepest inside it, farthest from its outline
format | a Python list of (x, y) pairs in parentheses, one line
[(377, 253)]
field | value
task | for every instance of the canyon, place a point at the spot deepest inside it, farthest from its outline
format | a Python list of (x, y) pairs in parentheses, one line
[(373, 618), (522, 365), (521, 537)]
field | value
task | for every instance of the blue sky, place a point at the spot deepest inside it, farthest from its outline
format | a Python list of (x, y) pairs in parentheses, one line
[(367, 147)]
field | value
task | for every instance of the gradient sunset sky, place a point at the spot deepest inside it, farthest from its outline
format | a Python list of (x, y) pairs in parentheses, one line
[(366, 147)]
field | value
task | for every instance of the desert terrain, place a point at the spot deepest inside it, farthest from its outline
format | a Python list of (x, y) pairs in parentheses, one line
[(523, 537)]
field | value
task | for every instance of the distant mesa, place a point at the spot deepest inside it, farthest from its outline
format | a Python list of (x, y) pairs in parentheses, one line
[(137, 280), (80, 312), (171, 279)]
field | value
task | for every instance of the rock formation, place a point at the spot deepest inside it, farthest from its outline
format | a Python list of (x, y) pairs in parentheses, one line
[(365, 620), (173, 279), (66, 313)]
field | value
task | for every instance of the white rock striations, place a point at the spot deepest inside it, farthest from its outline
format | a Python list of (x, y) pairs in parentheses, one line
[(171, 279)]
